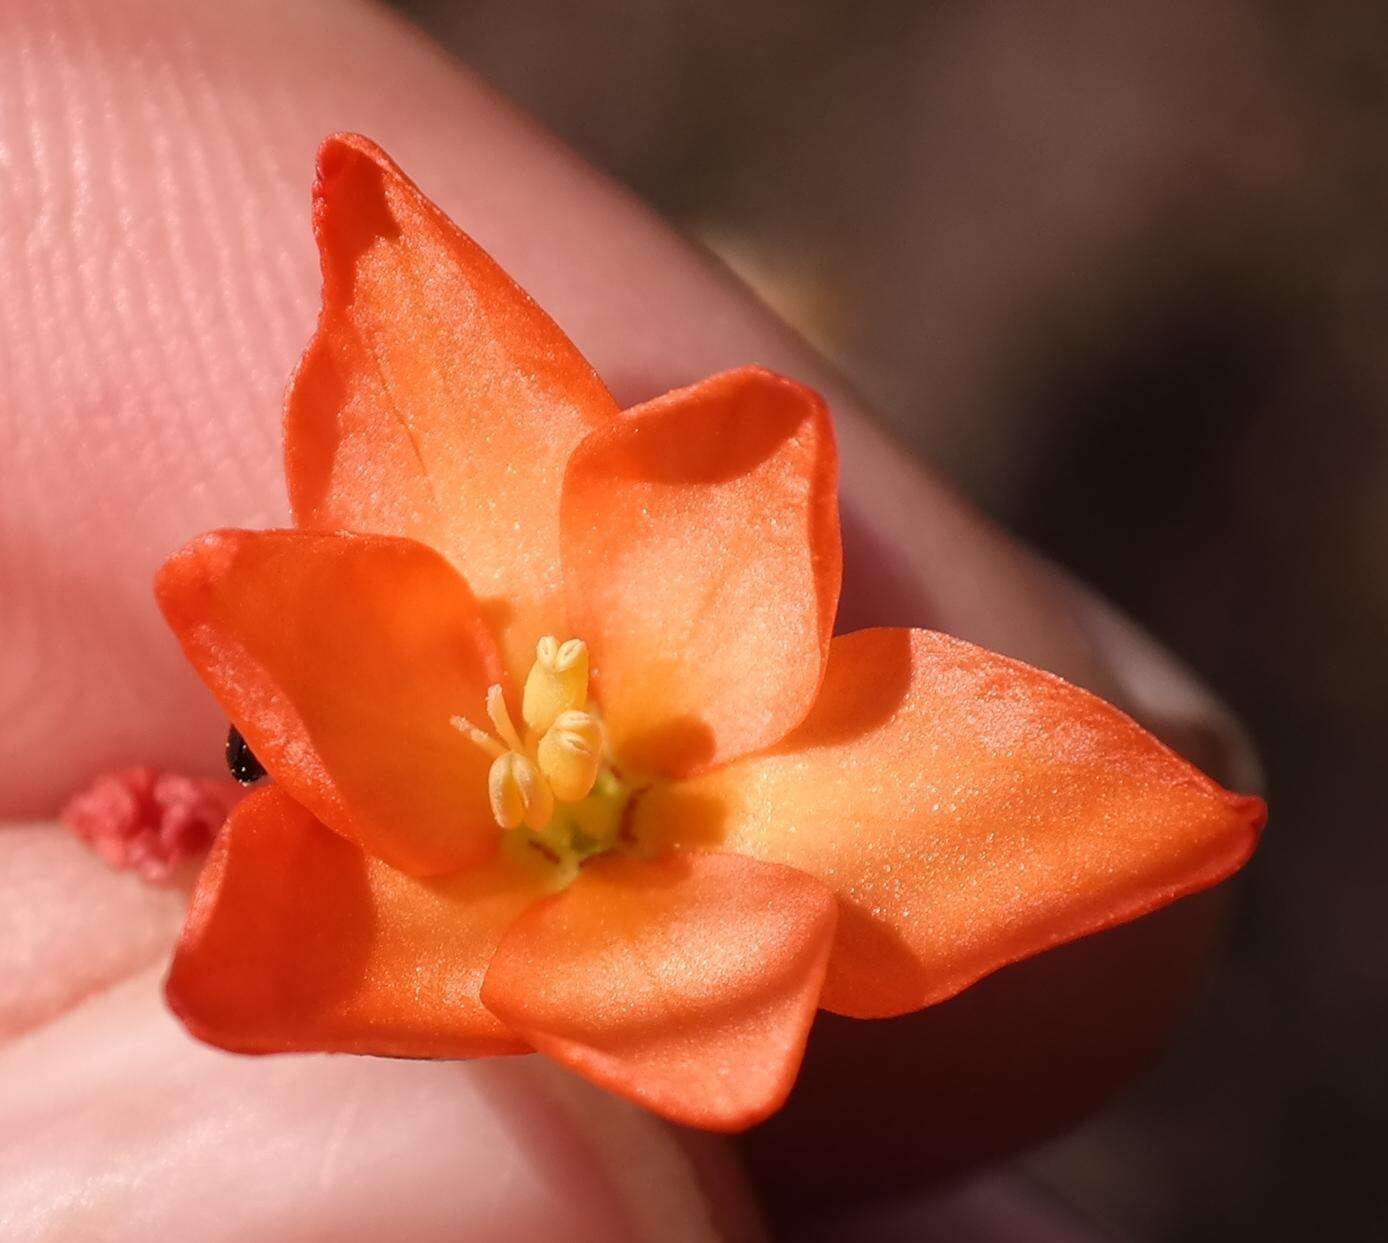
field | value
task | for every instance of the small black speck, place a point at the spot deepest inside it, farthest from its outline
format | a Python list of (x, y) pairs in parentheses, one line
[(241, 759)]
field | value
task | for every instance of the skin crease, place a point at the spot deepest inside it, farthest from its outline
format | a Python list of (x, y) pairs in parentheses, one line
[(154, 239)]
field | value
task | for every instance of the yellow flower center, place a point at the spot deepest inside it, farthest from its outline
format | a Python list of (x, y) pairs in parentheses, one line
[(552, 786)]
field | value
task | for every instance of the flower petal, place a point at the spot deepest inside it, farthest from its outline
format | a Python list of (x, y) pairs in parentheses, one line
[(436, 400), (341, 659), (685, 983), (297, 940), (968, 810), (702, 562)]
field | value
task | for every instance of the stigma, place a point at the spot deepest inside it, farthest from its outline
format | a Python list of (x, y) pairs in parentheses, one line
[(542, 777)]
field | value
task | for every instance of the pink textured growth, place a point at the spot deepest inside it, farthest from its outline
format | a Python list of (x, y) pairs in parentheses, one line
[(149, 821)]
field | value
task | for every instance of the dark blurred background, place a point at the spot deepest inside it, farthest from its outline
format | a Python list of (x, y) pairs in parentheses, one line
[(1120, 270)]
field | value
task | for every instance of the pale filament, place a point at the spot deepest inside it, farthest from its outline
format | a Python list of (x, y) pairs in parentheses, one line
[(501, 719), (478, 736)]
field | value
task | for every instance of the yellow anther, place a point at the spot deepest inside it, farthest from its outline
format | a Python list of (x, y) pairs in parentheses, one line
[(519, 793), (570, 754), (559, 759), (557, 682), (501, 718)]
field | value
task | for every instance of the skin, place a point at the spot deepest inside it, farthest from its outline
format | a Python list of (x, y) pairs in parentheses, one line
[(161, 283)]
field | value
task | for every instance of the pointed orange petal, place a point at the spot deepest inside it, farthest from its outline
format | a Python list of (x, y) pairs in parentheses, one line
[(436, 400), (685, 983), (341, 659), (702, 561), (296, 940), (968, 810)]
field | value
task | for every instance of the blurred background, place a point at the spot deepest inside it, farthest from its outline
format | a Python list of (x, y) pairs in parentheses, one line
[(1120, 270)]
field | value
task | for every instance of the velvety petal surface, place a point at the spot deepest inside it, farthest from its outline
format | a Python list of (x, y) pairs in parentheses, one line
[(297, 940), (341, 659), (967, 809), (436, 400), (686, 983), (702, 561)]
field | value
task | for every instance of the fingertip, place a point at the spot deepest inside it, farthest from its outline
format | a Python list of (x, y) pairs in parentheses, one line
[(382, 1148), (1163, 694)]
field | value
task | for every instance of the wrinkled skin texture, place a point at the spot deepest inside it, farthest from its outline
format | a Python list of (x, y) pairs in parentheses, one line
[(146, 130)]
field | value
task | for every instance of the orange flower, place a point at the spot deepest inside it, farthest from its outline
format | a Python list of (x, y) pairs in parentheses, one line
[(564, 755)]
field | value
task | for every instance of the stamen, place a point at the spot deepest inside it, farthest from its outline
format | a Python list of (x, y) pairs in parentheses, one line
[(518, 793), (552, 780), (557, 682), (570, 755), (478, 736), (501, 718)]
